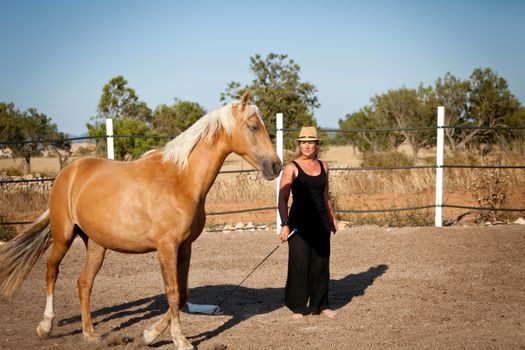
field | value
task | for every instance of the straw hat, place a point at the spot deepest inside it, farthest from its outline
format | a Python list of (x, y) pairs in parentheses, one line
[(308, 133)]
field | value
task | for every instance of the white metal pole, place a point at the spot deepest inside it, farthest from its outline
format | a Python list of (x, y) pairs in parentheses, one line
[(109, 133), (440, 152), (279, 149)]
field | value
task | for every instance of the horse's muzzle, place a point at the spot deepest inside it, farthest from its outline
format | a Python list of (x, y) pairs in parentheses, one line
[(271, 168)]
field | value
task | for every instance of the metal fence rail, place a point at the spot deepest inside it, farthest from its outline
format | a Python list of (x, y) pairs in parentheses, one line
[(280, 131)]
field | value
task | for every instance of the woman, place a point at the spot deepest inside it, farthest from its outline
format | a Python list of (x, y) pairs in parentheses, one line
[(312, 216)]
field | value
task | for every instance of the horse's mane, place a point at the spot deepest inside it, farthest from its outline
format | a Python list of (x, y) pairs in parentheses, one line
[(179, 149)]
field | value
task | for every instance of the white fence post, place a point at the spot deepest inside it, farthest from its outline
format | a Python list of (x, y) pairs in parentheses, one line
[(279, 149), (440, 152), (109, 133)]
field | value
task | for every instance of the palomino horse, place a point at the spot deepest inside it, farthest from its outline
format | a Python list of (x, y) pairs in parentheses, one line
[(153, 203)]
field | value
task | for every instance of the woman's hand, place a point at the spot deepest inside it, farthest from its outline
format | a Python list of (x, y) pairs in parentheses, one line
[(334, 225), (285, 231)]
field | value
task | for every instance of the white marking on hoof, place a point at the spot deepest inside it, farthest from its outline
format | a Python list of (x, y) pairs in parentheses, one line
[(44, 328), (93, 338), (183, 344), (148, 336)]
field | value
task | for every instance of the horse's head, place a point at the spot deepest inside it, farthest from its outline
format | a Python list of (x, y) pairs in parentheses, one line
[(250, 139)]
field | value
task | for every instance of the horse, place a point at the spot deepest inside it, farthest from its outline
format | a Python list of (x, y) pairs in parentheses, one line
[(154, 203)]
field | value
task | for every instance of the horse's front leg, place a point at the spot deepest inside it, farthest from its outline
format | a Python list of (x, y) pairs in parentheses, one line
[(149, 335), (183, 267), (168, 253)]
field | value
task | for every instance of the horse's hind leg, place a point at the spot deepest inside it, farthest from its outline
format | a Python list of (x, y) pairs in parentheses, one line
[(94, 259), (61, 244)]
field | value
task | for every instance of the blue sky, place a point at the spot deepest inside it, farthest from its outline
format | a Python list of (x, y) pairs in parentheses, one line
[(57, 55)]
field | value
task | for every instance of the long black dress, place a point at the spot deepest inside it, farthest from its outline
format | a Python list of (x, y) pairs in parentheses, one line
[(309, 249)]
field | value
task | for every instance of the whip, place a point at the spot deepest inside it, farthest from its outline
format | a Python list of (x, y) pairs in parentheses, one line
[(256, 267)]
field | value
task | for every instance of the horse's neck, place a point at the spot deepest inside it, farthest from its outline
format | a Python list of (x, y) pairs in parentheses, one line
[(205, 162)]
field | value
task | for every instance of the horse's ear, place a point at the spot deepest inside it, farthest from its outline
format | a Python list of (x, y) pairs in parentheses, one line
[(245, 99)]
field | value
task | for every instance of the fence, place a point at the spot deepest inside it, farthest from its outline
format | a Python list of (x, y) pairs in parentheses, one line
[(439, 166)]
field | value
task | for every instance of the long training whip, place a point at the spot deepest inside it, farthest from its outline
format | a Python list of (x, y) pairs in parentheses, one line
[(256, 267)]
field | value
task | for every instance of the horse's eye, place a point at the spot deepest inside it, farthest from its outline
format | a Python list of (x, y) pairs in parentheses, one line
[(254, 126)]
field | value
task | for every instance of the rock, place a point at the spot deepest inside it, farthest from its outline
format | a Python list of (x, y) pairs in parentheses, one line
[(250, 226), (239, 226), (227, 228), (519, 221)]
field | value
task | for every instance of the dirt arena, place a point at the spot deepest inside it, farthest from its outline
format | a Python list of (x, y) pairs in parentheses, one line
[(416, 288)]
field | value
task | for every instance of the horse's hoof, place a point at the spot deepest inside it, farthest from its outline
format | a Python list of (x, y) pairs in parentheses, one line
[(183, 345), (92, 338), (43, 329), (148, 337)]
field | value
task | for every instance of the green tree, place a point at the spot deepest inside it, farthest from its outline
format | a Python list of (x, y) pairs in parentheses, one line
[(408, 108), (120, 101), (25, 130), (172, 120), (509, 137), (369, 141), (130, 117), (61, 148), (277, 88), (491, 105), (10, 130), (127, 147), (452, 93)]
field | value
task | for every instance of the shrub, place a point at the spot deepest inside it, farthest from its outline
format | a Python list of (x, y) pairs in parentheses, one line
[(12, 171), (6, 231), (386, 159), (490, 191), (459, 158)]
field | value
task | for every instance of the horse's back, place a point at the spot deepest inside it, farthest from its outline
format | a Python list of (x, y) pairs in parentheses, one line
[(77, 173), (113, 201)]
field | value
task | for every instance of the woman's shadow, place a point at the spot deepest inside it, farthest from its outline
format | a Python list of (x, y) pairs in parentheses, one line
[(241, 305)]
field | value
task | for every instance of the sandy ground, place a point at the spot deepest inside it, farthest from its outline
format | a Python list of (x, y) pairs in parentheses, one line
[(416, 288)]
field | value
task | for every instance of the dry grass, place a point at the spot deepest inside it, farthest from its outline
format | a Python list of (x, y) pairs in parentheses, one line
[(355, 190)]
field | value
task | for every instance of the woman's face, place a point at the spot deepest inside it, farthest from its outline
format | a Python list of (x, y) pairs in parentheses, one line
[(309, 148)]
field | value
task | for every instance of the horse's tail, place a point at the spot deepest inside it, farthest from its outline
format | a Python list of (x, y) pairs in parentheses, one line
[(20, 254)]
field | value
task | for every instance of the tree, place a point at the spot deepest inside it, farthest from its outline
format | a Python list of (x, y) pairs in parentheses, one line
[(369, 141), (407, 109), (452, 93), (10, 130), (491, 105), (513, 120), (130, 117), (120, 101), (277, 88), (172, 120), (61, 147), (26, 130), (127, 147)]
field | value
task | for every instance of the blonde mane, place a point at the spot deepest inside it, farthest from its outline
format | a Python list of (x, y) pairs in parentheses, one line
[(179, 149)]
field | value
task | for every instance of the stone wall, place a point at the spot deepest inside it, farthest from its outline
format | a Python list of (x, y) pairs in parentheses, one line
[(34, 183)]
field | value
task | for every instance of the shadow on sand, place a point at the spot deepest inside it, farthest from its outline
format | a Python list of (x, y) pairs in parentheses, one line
[(243, 304)]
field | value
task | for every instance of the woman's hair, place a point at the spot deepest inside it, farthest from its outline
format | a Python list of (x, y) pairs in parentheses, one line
[(298, 150)]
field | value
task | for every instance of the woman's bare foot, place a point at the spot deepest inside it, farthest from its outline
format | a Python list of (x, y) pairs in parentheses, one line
[(329, 313), (297, 316)]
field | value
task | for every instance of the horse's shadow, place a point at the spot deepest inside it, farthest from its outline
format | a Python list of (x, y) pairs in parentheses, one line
[(241, 305)]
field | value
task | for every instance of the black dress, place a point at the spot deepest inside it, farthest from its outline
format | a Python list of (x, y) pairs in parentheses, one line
[(309, 249)]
